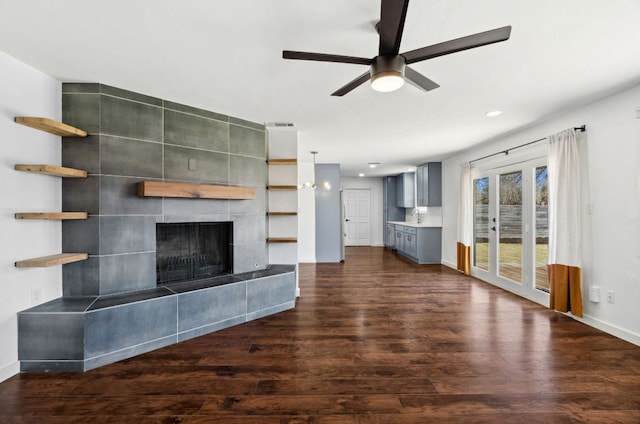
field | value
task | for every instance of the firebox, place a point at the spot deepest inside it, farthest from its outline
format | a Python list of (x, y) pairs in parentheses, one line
[(193, 250)]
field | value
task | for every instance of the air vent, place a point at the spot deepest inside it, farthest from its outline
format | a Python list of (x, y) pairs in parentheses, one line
[(280, 124)]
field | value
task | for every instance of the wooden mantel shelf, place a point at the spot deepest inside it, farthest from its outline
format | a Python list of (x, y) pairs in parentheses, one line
[(46, 261), (56, 171), (194, 191), (51, 215), (50, 126)]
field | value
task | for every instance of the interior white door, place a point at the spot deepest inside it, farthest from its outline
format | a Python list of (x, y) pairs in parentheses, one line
[(357, 217)]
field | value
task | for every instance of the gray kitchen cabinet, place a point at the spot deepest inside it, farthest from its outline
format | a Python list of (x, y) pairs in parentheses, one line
[(390, 210), (411, 241), (429, 184), (390, 236), (419, 244), (405, 183), (399, 238)]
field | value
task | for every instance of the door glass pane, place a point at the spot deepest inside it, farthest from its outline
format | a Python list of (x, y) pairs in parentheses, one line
[(481, 223), (542, 229), (510, 226)]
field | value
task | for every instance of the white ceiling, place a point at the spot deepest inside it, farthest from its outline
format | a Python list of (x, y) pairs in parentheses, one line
[(225, 56)]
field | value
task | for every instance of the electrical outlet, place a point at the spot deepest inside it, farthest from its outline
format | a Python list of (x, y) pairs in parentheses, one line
[(36, 296), (611, 296), (594, 294)]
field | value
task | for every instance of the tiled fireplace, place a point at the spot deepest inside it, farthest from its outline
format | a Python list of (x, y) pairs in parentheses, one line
[(128, 278), (193, 250)]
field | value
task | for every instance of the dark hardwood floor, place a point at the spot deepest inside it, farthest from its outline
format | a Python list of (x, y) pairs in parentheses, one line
[(375, 340)]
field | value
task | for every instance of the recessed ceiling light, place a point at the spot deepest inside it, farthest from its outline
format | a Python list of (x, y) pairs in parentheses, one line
[(373, 164), (493, 113), (361, 175)]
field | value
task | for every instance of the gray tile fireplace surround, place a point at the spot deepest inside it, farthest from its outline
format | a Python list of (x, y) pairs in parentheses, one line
[(111, 307), (85, 332)]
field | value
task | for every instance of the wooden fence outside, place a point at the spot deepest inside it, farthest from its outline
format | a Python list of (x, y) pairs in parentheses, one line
[(510, 224)]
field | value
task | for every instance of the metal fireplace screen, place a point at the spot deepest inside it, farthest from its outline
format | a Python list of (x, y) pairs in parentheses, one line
[(193, 250)]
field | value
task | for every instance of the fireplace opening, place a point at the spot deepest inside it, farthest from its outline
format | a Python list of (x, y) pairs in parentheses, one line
[(193, 250)]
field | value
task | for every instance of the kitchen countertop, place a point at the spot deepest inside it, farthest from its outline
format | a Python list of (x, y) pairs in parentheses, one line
[(415, 224)]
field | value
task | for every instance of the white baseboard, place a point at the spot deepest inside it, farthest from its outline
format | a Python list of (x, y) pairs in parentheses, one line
[(620, 333), (307, 260), (9, 371), (449, 264), (377, 245)]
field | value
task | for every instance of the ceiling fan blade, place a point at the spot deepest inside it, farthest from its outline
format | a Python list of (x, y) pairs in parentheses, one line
[(392, 16), (322, 57), (459, 44), (353, 84), (418, 80)]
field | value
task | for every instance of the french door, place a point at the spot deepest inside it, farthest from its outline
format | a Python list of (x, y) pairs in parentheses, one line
[(510, 228)]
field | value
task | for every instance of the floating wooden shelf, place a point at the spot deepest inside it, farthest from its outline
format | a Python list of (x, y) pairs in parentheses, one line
[(50, 126), (194, 191), (51, 215), (282, 187), (282, 240), (56, 171), (282, 213), (45, 261), (292, 161)]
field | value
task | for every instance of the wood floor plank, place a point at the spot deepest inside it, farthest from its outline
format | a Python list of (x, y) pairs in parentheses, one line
[(374, 340)]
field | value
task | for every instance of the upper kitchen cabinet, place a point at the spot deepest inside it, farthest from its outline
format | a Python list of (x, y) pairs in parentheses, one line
[(429, 184), (405, 197)]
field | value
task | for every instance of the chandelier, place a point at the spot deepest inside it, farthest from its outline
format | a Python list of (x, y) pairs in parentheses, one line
[(312, 184)]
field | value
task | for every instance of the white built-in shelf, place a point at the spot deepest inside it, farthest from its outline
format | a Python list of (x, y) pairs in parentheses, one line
[(50, 126), (282, 187), (51, 215), (52, 260), (282, 240), (282, 213), (56, 171)]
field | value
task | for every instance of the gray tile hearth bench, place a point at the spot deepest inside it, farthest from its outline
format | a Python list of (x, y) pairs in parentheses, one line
[(91, 331)]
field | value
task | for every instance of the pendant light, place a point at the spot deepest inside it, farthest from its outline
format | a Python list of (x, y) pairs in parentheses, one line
[(312, 184)]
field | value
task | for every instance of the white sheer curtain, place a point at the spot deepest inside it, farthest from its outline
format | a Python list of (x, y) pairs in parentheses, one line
[(465, 220), (564, 223)]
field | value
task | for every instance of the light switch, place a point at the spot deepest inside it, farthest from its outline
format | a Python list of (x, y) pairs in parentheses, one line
[(193, 164)]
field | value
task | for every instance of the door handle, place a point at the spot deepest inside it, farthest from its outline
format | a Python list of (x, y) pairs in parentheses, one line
[(493, 228)]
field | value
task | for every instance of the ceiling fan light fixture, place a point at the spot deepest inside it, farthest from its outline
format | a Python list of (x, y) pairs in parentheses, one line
[(387, 81), (387, 73)]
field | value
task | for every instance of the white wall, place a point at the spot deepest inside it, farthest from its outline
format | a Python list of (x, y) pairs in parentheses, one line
[(613, 145), (25, 91), (306, 215), (375, 186)]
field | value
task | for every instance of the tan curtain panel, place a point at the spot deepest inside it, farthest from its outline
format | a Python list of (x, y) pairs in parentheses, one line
[(566, 288), (465, 220), (564, 264)]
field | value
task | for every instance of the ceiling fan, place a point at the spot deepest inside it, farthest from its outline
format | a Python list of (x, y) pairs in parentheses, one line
[(388, 70)]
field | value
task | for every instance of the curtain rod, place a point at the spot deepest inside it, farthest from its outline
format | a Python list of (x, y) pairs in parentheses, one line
[(506, 152)]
